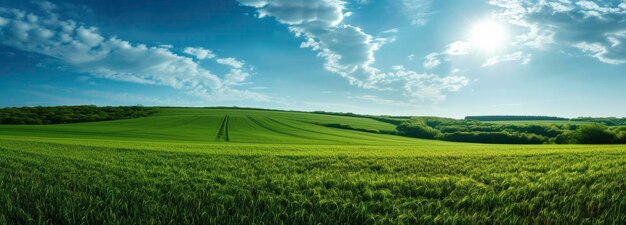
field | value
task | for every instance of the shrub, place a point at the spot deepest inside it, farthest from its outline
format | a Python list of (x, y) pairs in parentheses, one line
[(71, 114), (418, 129), (495, 137), (590, 134)]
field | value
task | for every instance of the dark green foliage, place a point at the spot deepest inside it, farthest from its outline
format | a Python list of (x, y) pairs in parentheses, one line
[(417, 128), (608, 121), (495, 137), (71, 114), (484, 132), (621, 137), (589, 134), (512, 118)]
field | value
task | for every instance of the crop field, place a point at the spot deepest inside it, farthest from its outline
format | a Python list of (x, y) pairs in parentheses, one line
[(227, 166)]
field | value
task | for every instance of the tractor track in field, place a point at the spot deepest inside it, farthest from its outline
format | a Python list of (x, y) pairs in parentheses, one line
[(264, 126), (222, 133)]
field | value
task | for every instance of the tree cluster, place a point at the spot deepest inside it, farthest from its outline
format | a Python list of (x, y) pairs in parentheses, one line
[(512, 118), (71, 114), (608, 121), (482, 132)]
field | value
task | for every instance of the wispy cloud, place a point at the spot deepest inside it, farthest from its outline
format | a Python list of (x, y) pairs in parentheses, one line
[(434, 59), (347, 49), (593, 27), (417, 11), (517, 56), (431, 60), (87, 50), (199, 52), (385, 102)]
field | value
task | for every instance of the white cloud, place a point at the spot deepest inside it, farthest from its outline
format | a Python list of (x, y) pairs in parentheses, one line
[(237, 73), (598, 51), (432, 60), (166, 46), (517, 56), (232, 62), (393, 30), (347, 49), (458, 48), (430, 87), (128, 98), (88, 51), (325, 13), (593, 27), (424, 86), (417, 10), (199, 52), (46, 6)]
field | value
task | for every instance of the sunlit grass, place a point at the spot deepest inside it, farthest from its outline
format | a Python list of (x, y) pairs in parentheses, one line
[(280, 168)]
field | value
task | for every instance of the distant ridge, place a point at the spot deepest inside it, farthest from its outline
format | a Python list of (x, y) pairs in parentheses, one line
[(511, 118)]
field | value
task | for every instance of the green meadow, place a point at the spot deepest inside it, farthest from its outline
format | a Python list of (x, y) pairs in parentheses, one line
[(240, 166)]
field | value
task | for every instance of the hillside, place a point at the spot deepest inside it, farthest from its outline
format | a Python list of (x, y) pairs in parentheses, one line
[(250, 166), (223, 125)]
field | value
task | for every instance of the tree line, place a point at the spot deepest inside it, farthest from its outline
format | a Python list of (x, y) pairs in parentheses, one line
[(608, 121), (71, 114), (512, 118), (481, 132)]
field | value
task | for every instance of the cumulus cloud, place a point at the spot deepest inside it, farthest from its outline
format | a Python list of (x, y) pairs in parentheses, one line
[(198, 52), (347, 49), (46, 5), (86, 49), (425, 86), (232, 62), (458, 48), (432, 60), (598, 51), (517, 56), (596, 28)]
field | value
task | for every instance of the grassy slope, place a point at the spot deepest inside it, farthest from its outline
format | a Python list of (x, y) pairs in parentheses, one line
[(170, 169), (58, 180), (202, 125)]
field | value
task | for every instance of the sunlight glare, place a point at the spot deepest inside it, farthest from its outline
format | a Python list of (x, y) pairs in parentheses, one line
[(488, 35)]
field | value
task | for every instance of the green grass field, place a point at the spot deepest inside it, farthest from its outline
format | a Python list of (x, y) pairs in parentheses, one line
[(227, 166)]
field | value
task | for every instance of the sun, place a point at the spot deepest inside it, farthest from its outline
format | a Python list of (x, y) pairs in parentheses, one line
[(488, 35)]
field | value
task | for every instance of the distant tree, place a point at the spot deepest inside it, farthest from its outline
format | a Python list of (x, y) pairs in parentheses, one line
[(418, 129), (588, 134), (511, 118), (621, 137), (608, 121), (71, 114), (495, 137)]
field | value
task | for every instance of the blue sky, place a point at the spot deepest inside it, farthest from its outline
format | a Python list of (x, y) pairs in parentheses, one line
[(401, 57)]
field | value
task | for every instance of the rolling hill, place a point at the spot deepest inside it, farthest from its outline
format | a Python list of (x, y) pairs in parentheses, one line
[(242, 166), (223, 125)]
